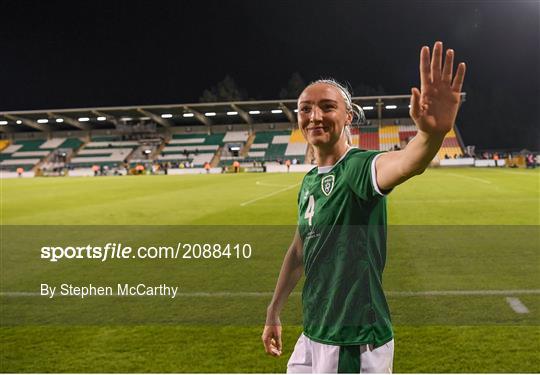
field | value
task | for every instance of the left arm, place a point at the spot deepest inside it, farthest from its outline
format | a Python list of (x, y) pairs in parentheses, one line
[(434, 110)]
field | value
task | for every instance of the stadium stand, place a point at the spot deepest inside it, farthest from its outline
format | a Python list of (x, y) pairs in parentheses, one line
[(368, 138), (277, 147), (184, 134), (406, 133), (103, 151), (264, 148), (27, 154), (197, 149), (297, 146), (236, 136), (388, 137), (267, 146), (450, 147), (234, 143), (55, 162), (3, 144)]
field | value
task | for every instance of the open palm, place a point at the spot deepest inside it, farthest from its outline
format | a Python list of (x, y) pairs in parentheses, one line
[(434, 108)]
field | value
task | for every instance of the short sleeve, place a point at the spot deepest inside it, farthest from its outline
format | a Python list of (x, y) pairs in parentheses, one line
[(362, 175)]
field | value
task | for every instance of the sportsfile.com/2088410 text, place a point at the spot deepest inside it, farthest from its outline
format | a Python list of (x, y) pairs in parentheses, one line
[(182, 250)]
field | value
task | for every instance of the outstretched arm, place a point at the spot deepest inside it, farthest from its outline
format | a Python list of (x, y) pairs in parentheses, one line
[(434, 109), (290, 274)]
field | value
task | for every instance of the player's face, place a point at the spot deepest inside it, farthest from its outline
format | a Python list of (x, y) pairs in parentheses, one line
[(322, 115)]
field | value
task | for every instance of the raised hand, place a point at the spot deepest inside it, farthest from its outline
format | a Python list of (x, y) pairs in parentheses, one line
[(434, 107)]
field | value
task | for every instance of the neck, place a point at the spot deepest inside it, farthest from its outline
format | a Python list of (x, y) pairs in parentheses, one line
[(329, 156)]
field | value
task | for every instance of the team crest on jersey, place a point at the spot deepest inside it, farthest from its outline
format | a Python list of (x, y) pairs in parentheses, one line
[(327, 184)]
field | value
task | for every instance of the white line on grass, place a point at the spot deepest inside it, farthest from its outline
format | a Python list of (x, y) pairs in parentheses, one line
[(269, 195), (521, 173), (463, 292), (402, 201), (517, 305), (390, 293), (471, 178)]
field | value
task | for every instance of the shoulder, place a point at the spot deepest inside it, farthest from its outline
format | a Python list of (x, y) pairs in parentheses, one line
[(312, 172), (358, 156)]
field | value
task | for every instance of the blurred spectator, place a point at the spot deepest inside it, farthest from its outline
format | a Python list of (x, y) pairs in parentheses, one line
[(529, 161), (236, 166), (496, 159)]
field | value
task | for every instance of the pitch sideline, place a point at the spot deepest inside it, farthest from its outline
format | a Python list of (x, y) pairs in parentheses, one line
[(269, 195), (390, 293)]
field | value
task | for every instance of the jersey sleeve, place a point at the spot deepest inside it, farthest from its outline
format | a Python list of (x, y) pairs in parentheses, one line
[(362, 175)]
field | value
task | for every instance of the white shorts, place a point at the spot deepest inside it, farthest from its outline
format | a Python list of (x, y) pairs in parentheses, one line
[(313, 357)]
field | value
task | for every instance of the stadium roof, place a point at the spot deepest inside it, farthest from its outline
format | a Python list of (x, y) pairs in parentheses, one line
[(197, 114)]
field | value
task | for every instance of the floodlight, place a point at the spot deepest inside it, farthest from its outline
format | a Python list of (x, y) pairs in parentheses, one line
[(3, 122), (59, 120), (232, 113), (367, 108), (84, 119), (391, 107), (42, 121), (166, 115), (210, 114), (19, 122), (277, 111), (188, 115), (102, 118), (254, 112), (296, 111)]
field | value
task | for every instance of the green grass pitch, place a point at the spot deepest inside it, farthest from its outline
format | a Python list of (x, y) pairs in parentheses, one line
[(451, 230)]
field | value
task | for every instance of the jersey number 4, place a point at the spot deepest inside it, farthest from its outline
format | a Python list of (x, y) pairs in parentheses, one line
[(310, 211)]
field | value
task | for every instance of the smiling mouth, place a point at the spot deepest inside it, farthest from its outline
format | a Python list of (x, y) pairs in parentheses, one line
[(316, 128)]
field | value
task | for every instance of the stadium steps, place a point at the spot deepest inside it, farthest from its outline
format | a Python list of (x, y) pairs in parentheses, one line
[(247, 145), (131, 154), (157, 152), (75, 144), (217, 158), (46, 159)]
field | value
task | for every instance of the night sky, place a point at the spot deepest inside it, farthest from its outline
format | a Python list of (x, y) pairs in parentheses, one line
[(65, 54)]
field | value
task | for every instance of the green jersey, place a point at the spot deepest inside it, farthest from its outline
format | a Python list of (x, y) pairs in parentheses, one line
[(342, 223)]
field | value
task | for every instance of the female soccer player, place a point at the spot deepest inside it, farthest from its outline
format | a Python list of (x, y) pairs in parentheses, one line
[(340, 242)]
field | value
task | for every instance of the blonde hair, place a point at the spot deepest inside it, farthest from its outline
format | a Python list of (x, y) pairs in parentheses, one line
[(351, 107)]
